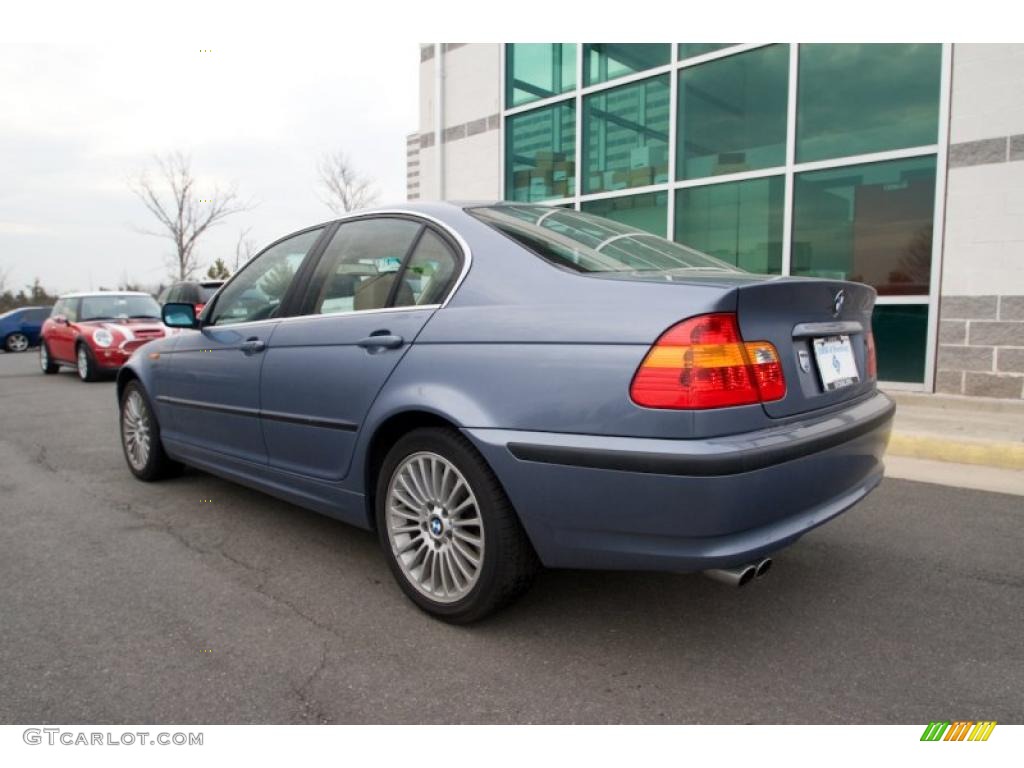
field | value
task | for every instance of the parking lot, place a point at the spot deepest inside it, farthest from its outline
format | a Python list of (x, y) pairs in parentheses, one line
[(196, 600)]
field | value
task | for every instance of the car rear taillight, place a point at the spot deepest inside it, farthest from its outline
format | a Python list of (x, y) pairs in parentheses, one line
[(704, 363), (872, 365), (199, 307)]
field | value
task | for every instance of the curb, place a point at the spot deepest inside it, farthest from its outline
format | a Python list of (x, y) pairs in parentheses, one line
[(991, 453)]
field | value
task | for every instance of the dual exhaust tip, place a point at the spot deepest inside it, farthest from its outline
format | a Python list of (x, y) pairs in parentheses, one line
[(741, 575)]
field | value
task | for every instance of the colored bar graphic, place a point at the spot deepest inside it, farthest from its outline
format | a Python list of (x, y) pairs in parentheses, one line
[(982, 730), (958, 730), (934, 731)]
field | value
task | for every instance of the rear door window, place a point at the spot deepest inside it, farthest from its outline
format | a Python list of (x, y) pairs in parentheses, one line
[(360, 268)]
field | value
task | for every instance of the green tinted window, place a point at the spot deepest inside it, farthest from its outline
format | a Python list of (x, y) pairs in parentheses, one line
[(732, 113), (689, 50), (901, 332), (540, 153), (625, 132), (538, 71), (855, 99), (606, 61), (871, 223), (739, 222), (648, 212)]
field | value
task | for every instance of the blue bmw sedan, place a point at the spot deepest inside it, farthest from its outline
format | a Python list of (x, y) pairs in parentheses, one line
[(496, 387)]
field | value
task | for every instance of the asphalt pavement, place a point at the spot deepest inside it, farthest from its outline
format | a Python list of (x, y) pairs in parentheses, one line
[(198, 601)]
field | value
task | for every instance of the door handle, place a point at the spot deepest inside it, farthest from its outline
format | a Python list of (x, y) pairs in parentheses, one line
[(253, 346), (381, 341)]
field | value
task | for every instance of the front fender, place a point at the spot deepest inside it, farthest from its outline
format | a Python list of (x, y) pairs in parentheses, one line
[(142, 365)]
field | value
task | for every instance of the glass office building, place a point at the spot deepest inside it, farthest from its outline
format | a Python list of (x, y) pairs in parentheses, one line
[(750, 153), (898, 165)]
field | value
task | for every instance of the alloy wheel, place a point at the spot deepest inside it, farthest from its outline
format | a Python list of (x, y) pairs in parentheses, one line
[(135, 430), (83, 363), (434, 527), (17, 342), (44, 357)]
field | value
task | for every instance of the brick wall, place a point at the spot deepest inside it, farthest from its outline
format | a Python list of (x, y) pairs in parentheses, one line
[(981, 346)]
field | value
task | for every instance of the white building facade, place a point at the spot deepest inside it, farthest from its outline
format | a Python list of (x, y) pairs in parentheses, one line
[(901, 166)]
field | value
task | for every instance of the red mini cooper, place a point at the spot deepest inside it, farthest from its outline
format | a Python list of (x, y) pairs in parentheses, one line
[(97, 332)]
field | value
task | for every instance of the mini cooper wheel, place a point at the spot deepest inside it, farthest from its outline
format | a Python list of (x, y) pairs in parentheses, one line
[(16, 342), (45, 361), (140, 437), (85, 363), (450, 535)]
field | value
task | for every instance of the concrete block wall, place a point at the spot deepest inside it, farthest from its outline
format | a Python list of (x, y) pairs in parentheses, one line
[(981, 311), (981, 346)]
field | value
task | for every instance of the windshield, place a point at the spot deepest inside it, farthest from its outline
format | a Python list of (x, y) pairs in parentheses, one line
[(118, 307), (586, 243)]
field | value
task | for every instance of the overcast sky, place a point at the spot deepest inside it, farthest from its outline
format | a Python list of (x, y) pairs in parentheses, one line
[(75, 122)]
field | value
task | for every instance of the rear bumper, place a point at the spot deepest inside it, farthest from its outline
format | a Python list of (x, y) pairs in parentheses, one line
[(684, 505)]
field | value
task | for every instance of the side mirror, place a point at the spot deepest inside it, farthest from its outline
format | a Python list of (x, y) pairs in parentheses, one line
[(179, 315)]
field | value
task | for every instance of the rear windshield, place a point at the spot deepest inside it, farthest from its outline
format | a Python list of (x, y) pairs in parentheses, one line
[(206, 293), (586, 243)]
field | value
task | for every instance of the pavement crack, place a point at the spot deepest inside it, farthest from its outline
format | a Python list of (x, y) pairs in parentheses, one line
[(41, 459), (312, 710)]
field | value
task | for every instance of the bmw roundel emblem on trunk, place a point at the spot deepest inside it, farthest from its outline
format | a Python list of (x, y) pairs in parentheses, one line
[(838, 301)]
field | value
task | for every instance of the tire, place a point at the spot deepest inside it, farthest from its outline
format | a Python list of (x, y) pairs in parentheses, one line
[(46, 359), (16, 342), (85, 362), (145, 453), (428, 545)]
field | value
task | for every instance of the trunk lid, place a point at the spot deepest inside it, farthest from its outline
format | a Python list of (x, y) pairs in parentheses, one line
[(791, 312)]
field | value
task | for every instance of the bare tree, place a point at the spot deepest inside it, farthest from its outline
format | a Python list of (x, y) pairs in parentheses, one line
[(346, 190), (245, 248), (186, 215)]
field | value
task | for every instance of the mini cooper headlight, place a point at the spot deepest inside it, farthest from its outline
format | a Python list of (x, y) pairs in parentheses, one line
[(103, 337)]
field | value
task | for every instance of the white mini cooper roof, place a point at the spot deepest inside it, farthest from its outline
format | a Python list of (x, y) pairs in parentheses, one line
[(83, 294)]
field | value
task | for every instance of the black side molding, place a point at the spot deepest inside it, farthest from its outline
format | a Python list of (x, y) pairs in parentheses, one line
[(289, 418), (732, 463)]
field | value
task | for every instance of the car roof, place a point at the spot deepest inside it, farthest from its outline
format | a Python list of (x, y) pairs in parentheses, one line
[(84, 294), (423, 207)]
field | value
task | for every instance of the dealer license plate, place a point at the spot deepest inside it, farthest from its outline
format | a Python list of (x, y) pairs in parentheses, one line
[(836, 364)]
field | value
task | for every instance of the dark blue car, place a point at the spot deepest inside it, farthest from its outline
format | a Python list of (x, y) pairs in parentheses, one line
[(19, 328), (496, 387)]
